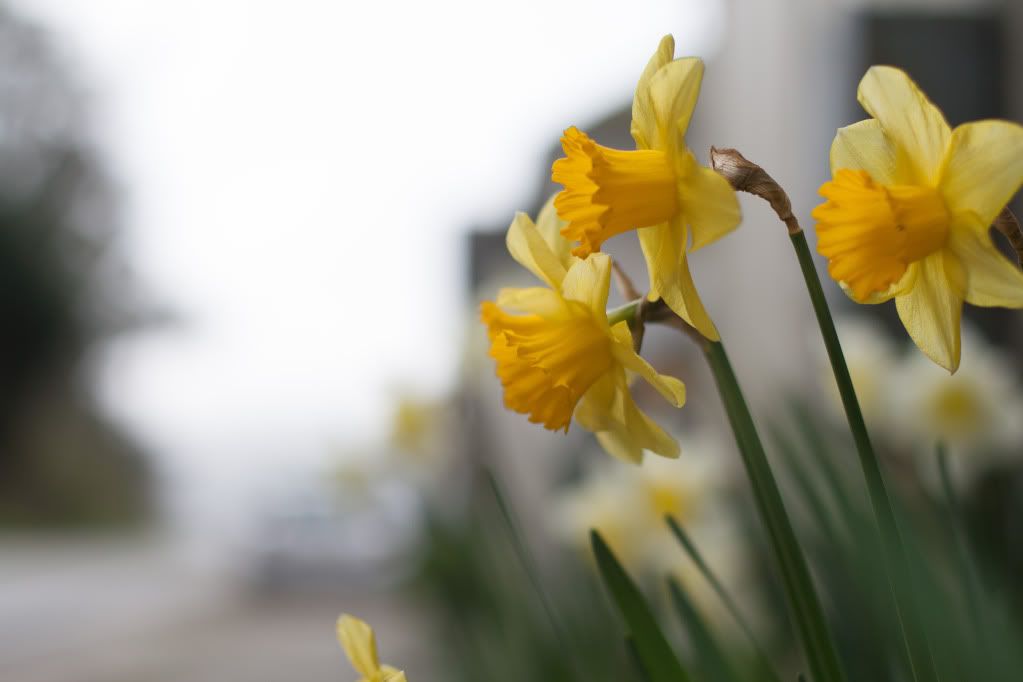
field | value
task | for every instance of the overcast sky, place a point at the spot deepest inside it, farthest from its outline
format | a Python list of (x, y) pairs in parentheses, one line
[(296, 179)]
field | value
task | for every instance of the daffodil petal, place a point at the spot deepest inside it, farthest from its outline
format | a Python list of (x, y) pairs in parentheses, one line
[(912, 123), (983, 169), (621, 445), (671, 98), (709, 204), (356, 638), (621, 428), (932, 310), (898, 288), (673, 390), (864, 146), (528, 247), (588, 282), (644, 127), (640, 432), (664, 249), (392, 674), (538, 300), (594, 412), (991, 279), (550, 226)]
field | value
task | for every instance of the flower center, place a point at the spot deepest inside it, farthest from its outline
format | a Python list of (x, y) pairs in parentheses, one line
[(958, 410), (870, 233), (667, 499), (546, 364), (609, 191)]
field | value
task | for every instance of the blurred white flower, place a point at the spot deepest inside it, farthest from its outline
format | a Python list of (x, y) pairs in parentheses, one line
[(976, 412), (627, 505)]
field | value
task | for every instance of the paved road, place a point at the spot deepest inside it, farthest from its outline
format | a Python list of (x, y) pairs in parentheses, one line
[(155, 611)]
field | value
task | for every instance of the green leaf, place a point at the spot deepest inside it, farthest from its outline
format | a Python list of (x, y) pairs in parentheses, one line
[(656, 655), (630, 646), (719, 589), (710, 659)]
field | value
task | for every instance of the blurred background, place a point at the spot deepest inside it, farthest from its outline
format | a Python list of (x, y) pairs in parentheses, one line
[(242, 383)]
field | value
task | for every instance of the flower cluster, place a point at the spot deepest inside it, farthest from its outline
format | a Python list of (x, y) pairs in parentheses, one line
[(559, 356), (906, 216)]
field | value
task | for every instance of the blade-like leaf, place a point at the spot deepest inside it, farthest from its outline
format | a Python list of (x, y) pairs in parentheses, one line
[(710, 659), (719, 589), (630, 646), (658, 658)]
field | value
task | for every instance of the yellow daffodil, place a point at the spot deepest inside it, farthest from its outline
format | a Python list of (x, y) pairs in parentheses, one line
[(909, 207), (659, 188), (357, 639), (559, 356)]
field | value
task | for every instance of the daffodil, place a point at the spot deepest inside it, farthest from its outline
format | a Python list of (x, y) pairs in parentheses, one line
[(357, 639), (658, 189), (559, 356), (909, 208), (975, 412)]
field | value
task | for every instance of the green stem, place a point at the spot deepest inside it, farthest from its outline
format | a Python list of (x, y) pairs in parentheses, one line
[(895, 559), (625, 312), (804, 603)]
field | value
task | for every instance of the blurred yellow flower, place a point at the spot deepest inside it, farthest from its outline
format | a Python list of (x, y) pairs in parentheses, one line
[(418, 425), (559, 356), (659, 187), (909, 208), (357, 639)]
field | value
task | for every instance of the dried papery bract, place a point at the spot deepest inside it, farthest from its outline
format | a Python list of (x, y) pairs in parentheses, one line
[(746, 176)]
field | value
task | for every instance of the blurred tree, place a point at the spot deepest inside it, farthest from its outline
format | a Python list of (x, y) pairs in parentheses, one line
[(61, 292)]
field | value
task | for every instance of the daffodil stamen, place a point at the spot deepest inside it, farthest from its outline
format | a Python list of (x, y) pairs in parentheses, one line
[(547, 364), (610, 191), (870, 233)]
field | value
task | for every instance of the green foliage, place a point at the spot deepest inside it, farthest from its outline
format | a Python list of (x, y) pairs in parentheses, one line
[(495, 624), (653, 650)]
